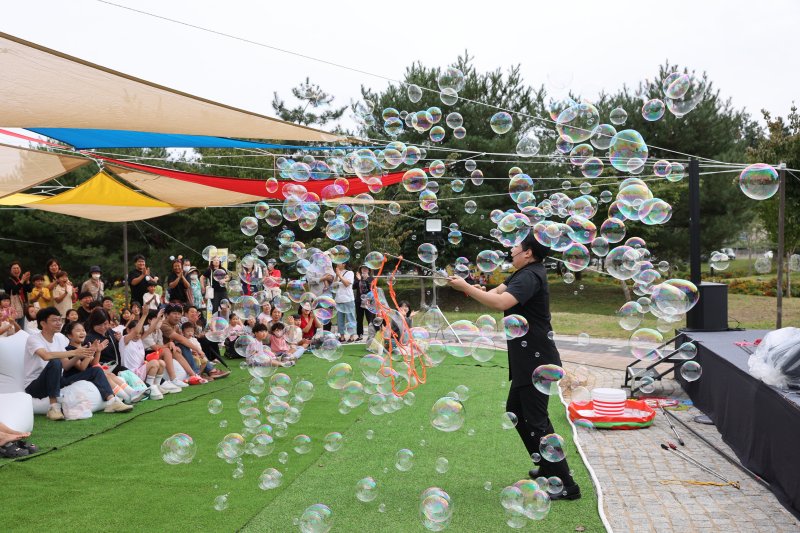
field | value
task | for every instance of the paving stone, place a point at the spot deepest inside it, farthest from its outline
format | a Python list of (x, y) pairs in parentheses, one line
[(629, 465)]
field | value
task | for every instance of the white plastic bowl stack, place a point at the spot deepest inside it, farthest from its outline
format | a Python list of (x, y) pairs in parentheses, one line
[(609, 402)]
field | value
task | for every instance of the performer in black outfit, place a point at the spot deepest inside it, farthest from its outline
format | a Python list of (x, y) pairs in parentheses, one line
[(525, 293)]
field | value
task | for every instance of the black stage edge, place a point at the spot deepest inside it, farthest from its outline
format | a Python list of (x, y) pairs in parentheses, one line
[(759, 422)]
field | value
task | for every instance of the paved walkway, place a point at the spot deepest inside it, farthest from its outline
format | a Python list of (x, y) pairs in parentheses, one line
[(630, 465)]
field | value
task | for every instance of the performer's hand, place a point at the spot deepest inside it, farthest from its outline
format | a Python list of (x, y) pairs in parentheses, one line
[(458, 283)]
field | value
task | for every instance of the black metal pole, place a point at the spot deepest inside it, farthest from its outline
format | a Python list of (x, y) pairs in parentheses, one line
[(694, 221), (781, 246), (125, 265)]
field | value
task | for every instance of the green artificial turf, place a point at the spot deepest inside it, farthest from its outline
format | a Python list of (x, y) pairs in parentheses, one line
[(106, 473)]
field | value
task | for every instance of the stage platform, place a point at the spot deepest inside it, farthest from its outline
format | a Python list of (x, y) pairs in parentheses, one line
[(759, 422)]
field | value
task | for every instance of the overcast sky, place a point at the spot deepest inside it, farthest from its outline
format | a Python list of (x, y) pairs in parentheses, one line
[(748, 48)]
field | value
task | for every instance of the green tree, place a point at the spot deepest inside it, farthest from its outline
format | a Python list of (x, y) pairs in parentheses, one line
[(503, 89), (782, 145), (311, 96), (715, 130)]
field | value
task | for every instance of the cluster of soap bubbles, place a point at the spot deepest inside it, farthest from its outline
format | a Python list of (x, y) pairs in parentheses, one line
[(523, 501), (436, 509), (584, 230)]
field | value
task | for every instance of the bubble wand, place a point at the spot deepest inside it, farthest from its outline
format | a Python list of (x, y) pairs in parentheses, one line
[(433, 275)]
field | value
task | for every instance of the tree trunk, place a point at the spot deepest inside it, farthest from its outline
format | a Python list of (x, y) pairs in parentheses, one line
[(626, 290), (422, 301), (788, 277)]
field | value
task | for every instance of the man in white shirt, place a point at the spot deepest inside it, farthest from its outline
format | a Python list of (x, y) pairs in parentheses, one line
[(46, 356)]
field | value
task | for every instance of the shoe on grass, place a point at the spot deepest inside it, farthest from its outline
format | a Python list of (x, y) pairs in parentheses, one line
[(25, 445), (155, 393), (54, 413), (10, 450), (179, 383), (139, 396), (115, 405), (568, 493), (218, 374), (168, 388)]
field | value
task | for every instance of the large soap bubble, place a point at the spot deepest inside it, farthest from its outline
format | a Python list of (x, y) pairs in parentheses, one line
[(628, 151), (759, 181), (501, 122), (578, 122), (447, 414), (675, 296), (177, 449), (546, 377)]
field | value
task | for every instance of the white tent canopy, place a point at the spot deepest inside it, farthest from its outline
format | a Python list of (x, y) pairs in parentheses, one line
[(43, 88)]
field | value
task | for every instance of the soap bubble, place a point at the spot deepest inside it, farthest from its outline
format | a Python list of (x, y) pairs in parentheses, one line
[(602, 137), (317, 518), (653, 110), (578, 122), (618, 116), (759, 181), (486, 324), (177, 449), (628, 151), (427, 252), (366, 489), (451, 78), (515, 326), (436, 508), (552, 448), (442, 465), (719, 261), (675, 296), (249, 226), (763, 265), (447, 414), (528, 145), (374, 260), (687, 350), (508, 420), (454, 120), (470, 207), (353, 394), (414, 93), (209, 252), (215, 406), (546, 377), (691, 370), (270, 479), (280, 385), (676, 85), (630, 315), (217, 329), (501, 122), (644, 344), (302, 444), (339, 375), (404, 460), (231, 447), (333, 441), (221, 502), (554, 485)]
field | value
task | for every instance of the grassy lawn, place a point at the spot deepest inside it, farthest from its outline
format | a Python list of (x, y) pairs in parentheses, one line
[(106, 473)]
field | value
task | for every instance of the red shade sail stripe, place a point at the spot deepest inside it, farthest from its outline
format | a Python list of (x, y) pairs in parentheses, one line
[(249, 186)]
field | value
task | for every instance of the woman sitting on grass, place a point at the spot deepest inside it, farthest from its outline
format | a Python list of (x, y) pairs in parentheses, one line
[(76, 334)]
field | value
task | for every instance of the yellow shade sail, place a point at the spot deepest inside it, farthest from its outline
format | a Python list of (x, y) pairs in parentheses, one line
[(104, 199)]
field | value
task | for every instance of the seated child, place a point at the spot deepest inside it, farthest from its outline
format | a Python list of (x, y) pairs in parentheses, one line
[(264, 317), (294, 335), (40, 295), (288, 353), (133, 357), (194, 354), (261, 333)]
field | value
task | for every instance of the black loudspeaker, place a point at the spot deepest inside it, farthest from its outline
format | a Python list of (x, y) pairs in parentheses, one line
[(711, 311)]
